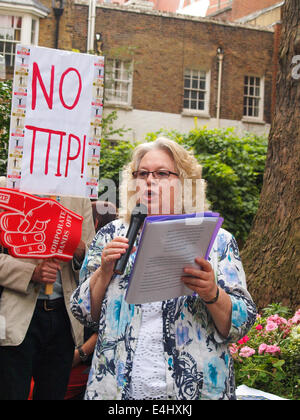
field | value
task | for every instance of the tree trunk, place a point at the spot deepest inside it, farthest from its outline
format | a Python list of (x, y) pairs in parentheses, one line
[(271, 255)]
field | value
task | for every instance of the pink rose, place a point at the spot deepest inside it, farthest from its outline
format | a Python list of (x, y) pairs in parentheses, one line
[(271, 326), (259, 327), (296, 317), (273, 349), (247, 351), (277, 319), (262, 348)]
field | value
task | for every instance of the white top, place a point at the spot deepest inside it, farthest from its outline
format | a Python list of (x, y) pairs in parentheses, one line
[(149, 371)]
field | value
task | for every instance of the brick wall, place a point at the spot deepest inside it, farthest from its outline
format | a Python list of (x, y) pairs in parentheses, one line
[(66, 26), (162, 46)]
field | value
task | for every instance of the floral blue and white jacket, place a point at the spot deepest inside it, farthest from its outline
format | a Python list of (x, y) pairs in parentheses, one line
[(197, 358)]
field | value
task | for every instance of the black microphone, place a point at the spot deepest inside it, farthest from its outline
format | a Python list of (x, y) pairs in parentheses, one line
[(138, 216)]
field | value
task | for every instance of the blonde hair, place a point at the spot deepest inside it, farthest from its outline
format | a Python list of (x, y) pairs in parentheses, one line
[(188, 168)]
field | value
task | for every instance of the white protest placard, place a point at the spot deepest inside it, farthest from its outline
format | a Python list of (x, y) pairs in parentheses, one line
[(56, 122)]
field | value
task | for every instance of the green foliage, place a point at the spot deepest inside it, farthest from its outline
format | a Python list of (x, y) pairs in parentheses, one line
[(233, 167), (277, 308), (268, 358), (5, 110)]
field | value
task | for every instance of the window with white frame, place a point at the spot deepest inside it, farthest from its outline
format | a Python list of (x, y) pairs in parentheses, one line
[(118, 82), (18, 28), (253, 97), (196, 91), (10, 35)]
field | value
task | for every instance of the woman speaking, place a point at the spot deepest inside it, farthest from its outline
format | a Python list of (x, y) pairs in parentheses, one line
[(175, 349)]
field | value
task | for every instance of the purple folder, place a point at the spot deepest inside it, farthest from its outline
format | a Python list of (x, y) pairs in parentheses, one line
[(163, 218)]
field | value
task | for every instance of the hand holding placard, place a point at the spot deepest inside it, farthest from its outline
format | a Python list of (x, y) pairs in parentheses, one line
[(45, 274)]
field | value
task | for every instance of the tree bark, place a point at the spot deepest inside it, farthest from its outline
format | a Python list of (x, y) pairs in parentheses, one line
[(271, 255)]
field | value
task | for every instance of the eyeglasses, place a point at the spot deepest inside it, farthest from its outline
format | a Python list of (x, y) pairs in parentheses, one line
[(161, 174)]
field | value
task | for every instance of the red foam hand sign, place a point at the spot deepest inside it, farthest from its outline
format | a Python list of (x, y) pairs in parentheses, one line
[(33, 227)]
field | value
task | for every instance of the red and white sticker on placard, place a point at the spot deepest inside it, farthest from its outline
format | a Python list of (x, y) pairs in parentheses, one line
[(33, 227)]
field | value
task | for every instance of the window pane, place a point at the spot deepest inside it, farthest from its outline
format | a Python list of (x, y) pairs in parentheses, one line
[(124, 97), (186, 94), (201, 106), (117, 73), (195, 84), (202, 84), (118, 78), (194, 89), (8, 48), (187, 82), (201, 96), (186, 104), (251, 96)]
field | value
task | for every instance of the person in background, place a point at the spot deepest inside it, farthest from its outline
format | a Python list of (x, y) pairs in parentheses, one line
[(40, 331), (104, 212), (174, 349)]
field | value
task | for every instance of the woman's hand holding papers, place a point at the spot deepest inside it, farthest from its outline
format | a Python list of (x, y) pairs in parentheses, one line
[(202, 281)]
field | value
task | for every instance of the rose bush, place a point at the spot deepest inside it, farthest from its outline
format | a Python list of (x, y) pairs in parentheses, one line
[(268, 358)]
